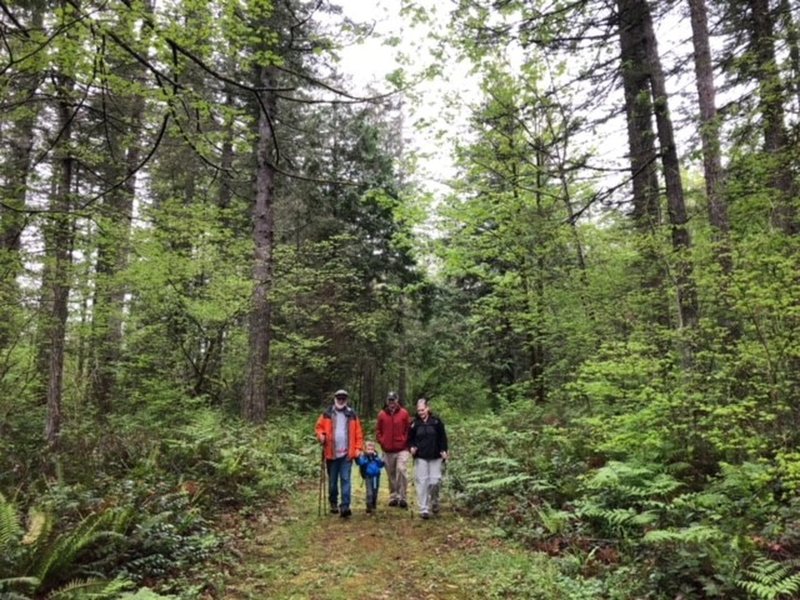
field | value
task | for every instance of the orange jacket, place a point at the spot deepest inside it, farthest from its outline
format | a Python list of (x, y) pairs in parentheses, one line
[(355, 436)]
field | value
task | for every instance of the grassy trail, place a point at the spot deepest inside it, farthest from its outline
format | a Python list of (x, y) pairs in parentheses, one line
[(292, 553)]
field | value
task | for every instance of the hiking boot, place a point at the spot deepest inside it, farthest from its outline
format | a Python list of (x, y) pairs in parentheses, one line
[(345, 512), (435, 509), (393, 502), (402, 504), (425, 515), (334, 509), (369, 508)]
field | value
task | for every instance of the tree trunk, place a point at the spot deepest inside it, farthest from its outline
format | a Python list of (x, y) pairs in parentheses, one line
[(254, 407), (709, 124), (771, 100), (676, 206), (639, 111), (15, 167), (712, 161), (226, 160), (113, 245), (112, 258), (538, 354), (59, 234), (793, 41), (646, 214)]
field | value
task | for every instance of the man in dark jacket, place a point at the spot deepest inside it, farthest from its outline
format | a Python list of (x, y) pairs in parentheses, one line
[(427, 442), (392, 433)]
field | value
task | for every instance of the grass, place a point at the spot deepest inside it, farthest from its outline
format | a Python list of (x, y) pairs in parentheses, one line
[(291, 553)]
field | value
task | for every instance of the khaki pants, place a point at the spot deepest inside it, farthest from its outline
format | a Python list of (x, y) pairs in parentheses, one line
[(397, 473)]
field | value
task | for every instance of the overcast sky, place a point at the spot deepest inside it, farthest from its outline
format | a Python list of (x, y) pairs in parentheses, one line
[(370, 62)]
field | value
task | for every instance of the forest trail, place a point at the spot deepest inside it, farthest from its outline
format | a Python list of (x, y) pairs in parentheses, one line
[(292, 553)]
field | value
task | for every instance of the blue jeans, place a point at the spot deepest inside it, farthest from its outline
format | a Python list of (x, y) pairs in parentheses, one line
[(373, 483), (339, 468)]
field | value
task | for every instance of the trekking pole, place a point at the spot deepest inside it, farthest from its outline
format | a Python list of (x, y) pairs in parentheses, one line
[(322, 479)]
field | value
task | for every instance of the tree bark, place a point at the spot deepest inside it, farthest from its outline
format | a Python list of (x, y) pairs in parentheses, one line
[(638, 109), (646, 214), (60, 236), (771, 102), (793, 41), (15, 168), (254, 408), (112, 258), (676, 205), (709, 124), (717, 206)]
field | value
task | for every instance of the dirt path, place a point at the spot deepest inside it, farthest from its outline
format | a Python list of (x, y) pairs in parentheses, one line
[(292, 553)]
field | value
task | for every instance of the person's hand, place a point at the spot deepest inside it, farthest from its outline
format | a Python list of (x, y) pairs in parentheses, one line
[(322, 439), (413, 450), (443, 454)]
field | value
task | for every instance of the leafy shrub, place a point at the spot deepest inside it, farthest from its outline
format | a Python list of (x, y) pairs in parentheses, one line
[(170, 542)]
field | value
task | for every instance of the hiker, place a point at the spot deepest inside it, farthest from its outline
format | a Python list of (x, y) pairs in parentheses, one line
[(392, 434), (338, 429), (427, 442), (370, 465)]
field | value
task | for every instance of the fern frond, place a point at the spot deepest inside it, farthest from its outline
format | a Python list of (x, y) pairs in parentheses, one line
[(709, 500), (10, 528), (14, 596), (96, 589), (16, 583), (498, 461), (695, 534), (58, 553), (40, 524), (771, 580), (645, 518), (499, 483), (616, 517), (146, 594), (555, 521)]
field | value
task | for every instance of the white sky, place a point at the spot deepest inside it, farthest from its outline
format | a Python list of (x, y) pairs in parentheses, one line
[(426, 112)]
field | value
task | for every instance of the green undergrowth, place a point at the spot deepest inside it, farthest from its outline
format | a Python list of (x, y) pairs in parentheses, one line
[(135, 509)]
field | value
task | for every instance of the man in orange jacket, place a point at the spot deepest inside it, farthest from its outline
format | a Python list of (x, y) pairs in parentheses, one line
[(339, 431)]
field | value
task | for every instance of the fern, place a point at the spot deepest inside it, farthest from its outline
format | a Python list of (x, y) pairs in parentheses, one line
[(44, 558), (146, 594), (632, 480), (554, 521), (14, 596), (616, 517), (10, 530), (9, 584), (40, 524), (770, 580), (97, 589), (695, 534), (499, 483), (56, 555)]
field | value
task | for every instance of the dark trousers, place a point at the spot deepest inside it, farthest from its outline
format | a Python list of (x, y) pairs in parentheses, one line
[(372, 484)]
